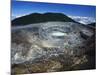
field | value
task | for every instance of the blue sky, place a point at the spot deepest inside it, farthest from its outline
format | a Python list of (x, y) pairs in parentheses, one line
[(21, 8)]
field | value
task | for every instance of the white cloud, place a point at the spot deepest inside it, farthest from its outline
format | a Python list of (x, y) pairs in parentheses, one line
[(83, 20)]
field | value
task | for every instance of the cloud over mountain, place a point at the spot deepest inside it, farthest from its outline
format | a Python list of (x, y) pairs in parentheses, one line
[(83, 20)]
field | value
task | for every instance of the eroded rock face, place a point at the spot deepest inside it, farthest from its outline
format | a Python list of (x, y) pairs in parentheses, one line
[(42, 66), (43, 50)]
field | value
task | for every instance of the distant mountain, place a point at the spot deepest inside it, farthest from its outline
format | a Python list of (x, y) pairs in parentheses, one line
[(83, 20), (92, 24), (38, 18)]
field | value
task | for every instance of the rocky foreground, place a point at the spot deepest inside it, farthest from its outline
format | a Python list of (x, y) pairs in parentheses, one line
[(31, 52)]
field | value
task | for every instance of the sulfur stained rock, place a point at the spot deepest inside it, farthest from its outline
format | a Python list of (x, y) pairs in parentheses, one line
[(43, 66)]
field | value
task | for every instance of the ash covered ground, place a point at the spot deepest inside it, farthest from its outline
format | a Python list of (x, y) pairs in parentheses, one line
[(52, 47)]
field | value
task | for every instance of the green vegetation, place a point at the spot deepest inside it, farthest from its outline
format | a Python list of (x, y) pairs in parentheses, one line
[(37, 18)]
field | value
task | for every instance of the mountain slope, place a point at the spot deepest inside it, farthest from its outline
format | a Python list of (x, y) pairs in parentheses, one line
[(92, 24), (37, 18)]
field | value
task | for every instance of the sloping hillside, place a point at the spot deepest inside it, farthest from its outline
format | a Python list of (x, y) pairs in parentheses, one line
[(38, 18)]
